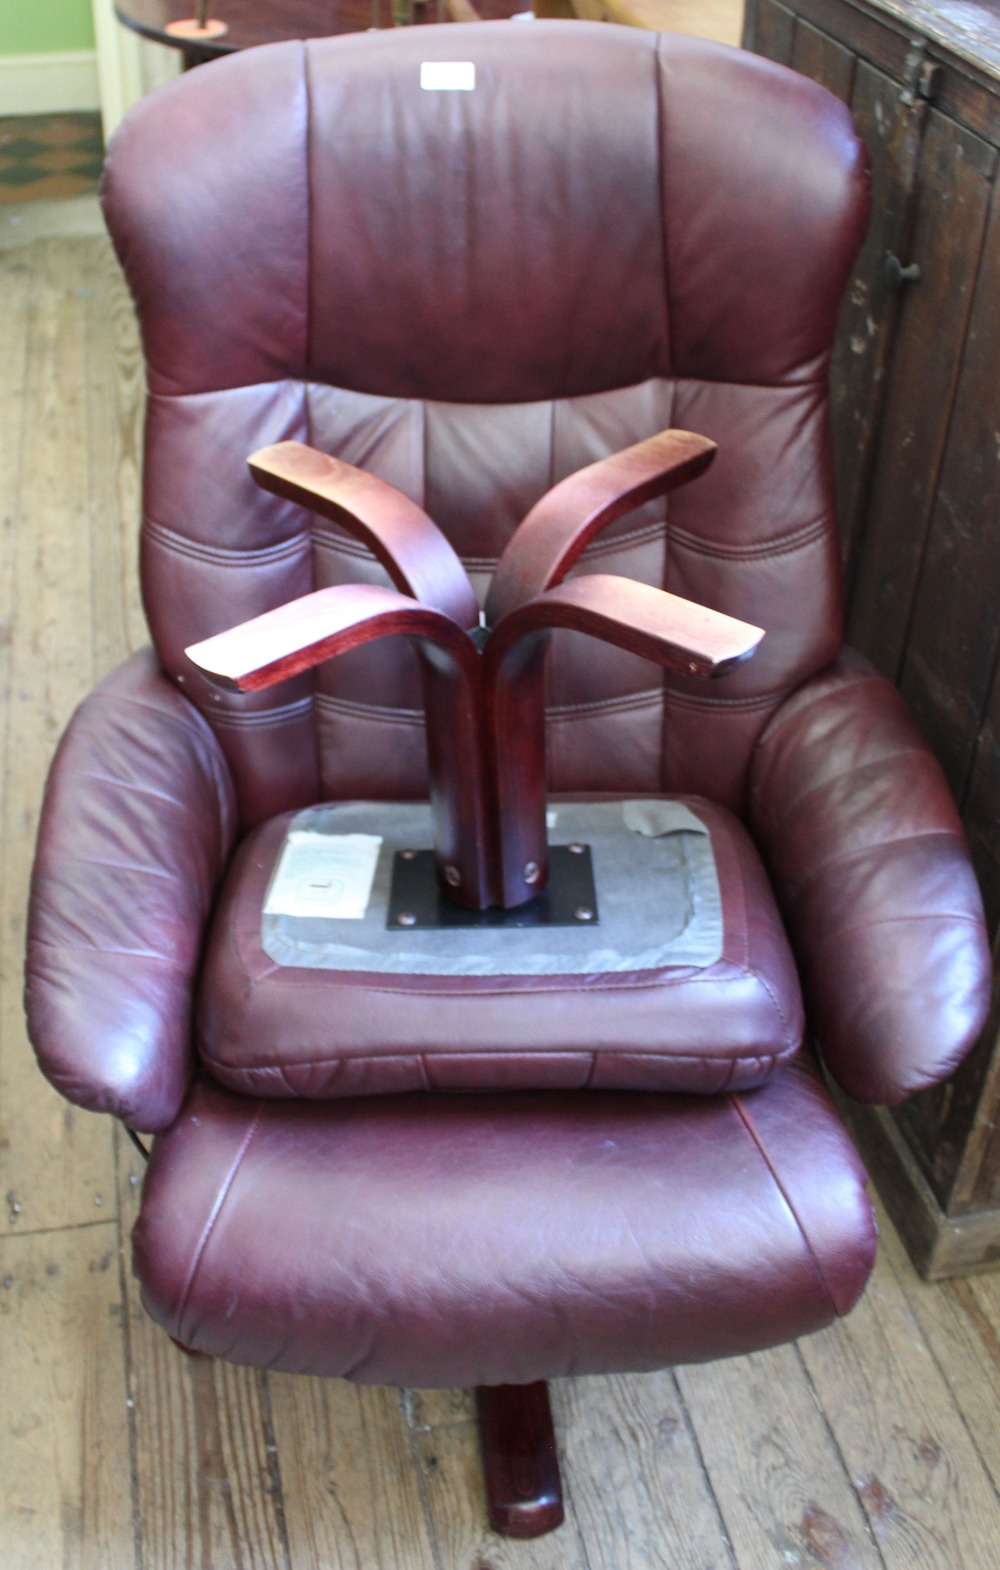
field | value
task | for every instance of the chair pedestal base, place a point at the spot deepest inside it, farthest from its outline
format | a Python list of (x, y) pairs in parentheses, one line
[(520, 1460)]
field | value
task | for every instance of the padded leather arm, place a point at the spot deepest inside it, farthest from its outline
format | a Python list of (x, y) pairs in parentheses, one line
[(871, 869), (560, 526), (138, 820)]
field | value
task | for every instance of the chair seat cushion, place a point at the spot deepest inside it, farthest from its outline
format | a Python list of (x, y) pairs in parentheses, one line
[(463, 1240), (685, 983)]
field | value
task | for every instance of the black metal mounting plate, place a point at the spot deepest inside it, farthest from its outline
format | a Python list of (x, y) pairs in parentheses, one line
[(417, 901)]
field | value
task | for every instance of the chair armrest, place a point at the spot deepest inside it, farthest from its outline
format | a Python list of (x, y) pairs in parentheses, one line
[(871, 869), (138, 820), (557, 530), (419, 559)]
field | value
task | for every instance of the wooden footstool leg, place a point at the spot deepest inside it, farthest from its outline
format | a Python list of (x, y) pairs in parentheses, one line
[(520, 1460)]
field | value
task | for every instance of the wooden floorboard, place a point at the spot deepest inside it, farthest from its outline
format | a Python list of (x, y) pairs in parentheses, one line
[(872, 1446), (55, 1162), (65, 1499)]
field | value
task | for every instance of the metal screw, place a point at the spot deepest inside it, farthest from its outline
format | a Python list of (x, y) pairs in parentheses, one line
[(531, 871), (452, 876), (576, 848), (583, 913), (406, 918)]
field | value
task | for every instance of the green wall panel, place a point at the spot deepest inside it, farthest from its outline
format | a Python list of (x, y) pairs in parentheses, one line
[(35, 27)]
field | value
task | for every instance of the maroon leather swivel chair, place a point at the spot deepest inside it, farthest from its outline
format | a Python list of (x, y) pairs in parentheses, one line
[(530, 1164)]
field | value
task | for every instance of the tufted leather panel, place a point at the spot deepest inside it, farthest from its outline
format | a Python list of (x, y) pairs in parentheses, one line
[(312, 288), (870, 864), (284, 1030), (453, 1242)]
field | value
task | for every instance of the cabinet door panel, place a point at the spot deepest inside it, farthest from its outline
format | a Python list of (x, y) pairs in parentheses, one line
[(950, 674), (768, 30), (953, 196), (820, 57), (892, 131)]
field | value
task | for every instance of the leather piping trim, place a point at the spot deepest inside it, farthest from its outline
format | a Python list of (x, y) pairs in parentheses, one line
[(736, 1102), (220, 1200)]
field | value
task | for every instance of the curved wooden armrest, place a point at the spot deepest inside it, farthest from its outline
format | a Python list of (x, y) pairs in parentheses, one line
[(647, 621), (674, 632), (562, 524), (416, 555), (304, 633)]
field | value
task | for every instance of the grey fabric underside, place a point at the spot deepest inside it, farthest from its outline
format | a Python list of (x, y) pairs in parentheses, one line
[(657, 890)]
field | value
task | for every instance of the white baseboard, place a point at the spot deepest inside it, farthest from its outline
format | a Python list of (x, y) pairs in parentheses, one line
[(49, 83)]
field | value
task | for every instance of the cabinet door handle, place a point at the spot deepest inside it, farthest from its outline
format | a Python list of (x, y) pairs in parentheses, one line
[(896, 275)]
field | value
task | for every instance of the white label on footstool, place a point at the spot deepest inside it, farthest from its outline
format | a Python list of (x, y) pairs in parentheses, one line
[(324, 875)]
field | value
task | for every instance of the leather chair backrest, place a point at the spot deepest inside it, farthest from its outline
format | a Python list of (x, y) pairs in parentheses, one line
[(473, 293)]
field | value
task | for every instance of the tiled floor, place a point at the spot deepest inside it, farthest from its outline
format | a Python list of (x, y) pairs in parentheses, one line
[(49, 155)]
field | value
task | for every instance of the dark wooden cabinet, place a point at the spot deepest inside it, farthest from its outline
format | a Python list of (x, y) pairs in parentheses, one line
[(916, 415)]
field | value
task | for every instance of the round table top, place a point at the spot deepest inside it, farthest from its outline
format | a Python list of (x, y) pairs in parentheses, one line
[(252, 22)]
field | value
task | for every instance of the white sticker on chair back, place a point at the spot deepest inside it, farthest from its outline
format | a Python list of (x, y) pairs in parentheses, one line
[(448, 76)]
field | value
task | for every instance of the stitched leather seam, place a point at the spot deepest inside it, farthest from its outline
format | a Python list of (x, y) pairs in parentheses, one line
[(324, 540), (124, 866), (248, 719), (784, 386), (99, 948), (847, 683), (633, 700), (612, 545), (129, 785), (781, 545), (209, 1227), (183, 718), (194, 724), (369, 712), (846, 856), (691, 700), (917, 750), (950, 918), (224, 556), (736, 1102), (282, 1070), (660, 132), (686, 976)]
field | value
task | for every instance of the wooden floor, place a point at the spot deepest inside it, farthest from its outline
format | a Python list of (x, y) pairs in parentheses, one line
[(876, 1443)]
